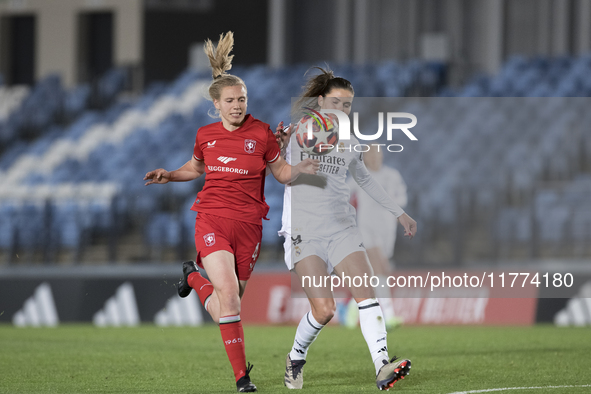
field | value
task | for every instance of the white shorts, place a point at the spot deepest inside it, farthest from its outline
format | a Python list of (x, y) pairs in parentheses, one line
[(332, 250)]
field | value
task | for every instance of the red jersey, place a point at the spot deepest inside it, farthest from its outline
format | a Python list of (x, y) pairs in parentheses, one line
[(235, 165)]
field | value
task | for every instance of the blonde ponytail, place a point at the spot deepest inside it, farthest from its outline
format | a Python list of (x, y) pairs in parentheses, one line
[(220, 58), (221, 61)]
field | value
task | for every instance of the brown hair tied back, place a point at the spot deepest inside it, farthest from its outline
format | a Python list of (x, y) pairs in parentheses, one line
[(320, 85)]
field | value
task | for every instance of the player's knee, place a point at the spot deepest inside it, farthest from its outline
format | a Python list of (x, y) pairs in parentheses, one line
[(325, 312), (229, 303)]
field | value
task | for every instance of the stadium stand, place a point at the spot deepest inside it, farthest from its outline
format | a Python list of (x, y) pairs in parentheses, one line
[(79, 181)]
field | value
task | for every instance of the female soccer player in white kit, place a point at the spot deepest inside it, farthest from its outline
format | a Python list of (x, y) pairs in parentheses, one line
[(321, 237)]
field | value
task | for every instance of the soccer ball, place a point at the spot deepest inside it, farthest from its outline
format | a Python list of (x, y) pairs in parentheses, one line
[(325, 132)]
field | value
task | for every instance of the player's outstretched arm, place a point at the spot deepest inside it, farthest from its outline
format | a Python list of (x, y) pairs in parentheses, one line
[(284, 173), (192, 169)]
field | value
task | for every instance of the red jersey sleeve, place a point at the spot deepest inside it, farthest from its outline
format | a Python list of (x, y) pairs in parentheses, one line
[(197, 154), (273, 150)]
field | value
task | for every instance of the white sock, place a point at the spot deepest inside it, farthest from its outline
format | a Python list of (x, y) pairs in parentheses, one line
[(373, 328), (387, 307), (307, 332), (385, 298)]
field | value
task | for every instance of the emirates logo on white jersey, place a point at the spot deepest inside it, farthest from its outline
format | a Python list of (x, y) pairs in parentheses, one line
[(225, 159)]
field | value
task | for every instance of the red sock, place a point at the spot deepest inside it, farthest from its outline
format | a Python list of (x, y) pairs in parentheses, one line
[(233, 337), (202, 286)]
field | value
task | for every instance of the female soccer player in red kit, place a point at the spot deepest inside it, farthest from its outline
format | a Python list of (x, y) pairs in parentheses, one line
[(234, 153)]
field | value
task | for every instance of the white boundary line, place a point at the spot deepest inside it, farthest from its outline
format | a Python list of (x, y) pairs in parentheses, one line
[(518, 388)]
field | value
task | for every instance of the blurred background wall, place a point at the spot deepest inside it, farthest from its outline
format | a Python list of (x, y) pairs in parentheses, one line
[(81, 39)]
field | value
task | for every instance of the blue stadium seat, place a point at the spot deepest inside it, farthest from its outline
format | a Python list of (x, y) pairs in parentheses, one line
[(7, 224), (164, 229), (65, 225), (76, 101), (111, 84), (30, 220)]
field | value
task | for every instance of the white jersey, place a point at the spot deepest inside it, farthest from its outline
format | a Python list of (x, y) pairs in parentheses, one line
[(318, 205), (317, 215)]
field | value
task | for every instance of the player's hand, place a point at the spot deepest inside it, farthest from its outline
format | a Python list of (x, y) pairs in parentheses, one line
[(410, 226), (283, 134), (159, 176), (309, 166)]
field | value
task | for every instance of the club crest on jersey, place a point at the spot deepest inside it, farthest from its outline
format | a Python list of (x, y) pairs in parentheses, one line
[(209, 239), (249, 146)]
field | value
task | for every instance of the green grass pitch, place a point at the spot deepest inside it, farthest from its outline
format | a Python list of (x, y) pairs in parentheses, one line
[(149, 359)]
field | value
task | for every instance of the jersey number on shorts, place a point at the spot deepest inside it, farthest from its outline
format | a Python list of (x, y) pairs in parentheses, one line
[(256, 252)]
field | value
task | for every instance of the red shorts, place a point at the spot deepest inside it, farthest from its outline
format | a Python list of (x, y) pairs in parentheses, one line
[(242, 239)]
